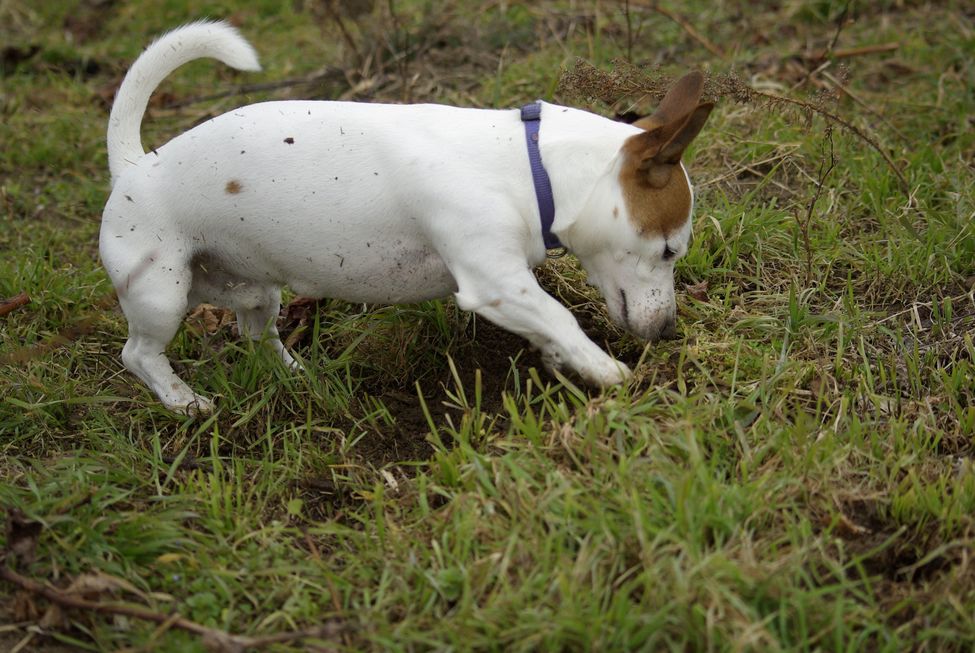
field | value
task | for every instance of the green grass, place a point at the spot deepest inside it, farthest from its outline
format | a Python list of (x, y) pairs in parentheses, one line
[(794, 473)]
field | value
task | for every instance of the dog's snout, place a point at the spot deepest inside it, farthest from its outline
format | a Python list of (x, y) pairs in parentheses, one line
[(663, 328)]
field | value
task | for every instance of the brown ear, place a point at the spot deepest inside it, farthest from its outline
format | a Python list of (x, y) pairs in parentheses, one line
[(673, 149), (671, 128), (677, 104)]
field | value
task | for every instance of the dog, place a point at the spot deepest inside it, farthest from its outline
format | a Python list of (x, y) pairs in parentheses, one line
[(387, 203)]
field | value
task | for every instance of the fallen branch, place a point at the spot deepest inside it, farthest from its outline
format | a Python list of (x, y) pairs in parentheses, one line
[(12, 304), (215, 639)]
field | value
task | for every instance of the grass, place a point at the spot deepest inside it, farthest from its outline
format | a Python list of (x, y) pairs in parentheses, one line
[(794, 473)]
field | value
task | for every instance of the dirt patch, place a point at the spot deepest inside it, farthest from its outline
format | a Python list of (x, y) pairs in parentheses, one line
[(387, 364), (898, 553), (485, 347)]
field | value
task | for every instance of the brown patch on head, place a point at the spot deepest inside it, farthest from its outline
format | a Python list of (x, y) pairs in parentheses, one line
[(654, 211), (233, 187), (655, 190)]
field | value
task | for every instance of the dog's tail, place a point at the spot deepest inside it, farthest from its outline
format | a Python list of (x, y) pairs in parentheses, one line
[(205, 39)]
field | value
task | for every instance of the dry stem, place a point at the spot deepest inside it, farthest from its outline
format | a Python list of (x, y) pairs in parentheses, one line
[(218, 640)]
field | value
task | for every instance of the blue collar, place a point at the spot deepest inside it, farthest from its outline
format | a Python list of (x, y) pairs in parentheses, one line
[(531, 115)]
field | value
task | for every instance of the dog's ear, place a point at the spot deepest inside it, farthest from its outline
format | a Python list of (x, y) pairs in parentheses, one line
[(682, 98), (669, 130)]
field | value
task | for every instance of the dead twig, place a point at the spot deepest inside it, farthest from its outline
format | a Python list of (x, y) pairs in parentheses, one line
[(218, 640), (840, 24), (687, 27), (336, 18), (821, 63), (850, 127), (629, 30), (840, 86), (12, 304), (826, 165)]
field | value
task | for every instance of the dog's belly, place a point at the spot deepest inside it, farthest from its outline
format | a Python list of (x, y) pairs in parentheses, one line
[(385, 274), (325, 264)]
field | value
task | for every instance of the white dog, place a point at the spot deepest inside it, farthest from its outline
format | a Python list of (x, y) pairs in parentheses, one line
[(388, 203)]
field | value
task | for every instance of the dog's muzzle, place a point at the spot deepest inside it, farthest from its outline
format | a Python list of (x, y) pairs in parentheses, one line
[(664, 328), (660, 326)]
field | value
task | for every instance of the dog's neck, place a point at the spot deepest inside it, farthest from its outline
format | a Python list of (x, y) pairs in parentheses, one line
[(579, 149)]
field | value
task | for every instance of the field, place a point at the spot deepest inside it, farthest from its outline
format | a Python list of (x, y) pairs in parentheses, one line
[(796, 472)]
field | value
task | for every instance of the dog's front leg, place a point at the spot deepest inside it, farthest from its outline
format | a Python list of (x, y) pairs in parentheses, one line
[(509, 296)]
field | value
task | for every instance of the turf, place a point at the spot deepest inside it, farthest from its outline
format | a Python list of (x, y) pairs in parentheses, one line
[(794, 473)]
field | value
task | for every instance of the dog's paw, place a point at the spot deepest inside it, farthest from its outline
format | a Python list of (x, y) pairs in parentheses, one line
[(290, 362), (199, 407), (194, 406), (610, 372), (601, 371)]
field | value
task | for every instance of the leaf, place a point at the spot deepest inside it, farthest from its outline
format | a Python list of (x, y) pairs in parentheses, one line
[(169, 558), (295, 317), (698, 291), (54, 618), (13, 303), (849, 529), (95, 583), (207, 318)]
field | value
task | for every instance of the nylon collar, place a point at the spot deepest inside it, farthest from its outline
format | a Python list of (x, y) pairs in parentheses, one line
[(531, 115)]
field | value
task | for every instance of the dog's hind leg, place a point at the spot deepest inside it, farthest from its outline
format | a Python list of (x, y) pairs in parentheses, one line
[(153, 296), (256, 304), (257, 320)]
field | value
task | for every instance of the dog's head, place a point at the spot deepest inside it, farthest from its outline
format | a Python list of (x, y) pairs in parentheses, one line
[(639, 216)]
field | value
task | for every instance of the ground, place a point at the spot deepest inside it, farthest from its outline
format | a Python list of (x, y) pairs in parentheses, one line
[(794, 472)]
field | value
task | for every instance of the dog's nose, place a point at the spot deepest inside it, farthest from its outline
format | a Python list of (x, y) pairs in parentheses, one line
[(665, 329)]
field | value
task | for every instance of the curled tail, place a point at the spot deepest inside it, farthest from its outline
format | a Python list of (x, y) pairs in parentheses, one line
[(205, 39)]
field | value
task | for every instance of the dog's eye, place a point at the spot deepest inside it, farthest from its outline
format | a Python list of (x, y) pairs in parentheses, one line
[(668, 253)]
